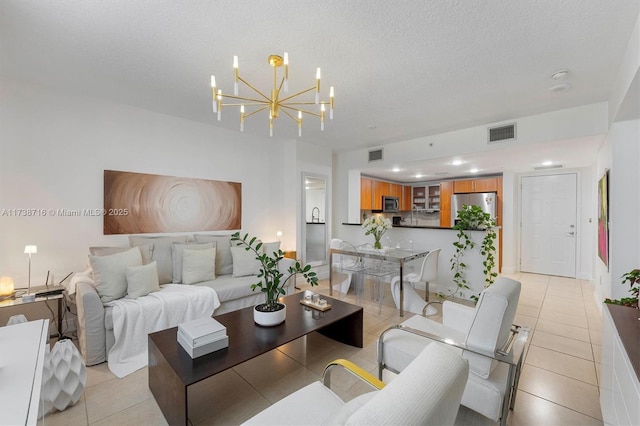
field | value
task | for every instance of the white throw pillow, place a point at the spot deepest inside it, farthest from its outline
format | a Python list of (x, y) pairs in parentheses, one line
[(244, 262), (109, 273), (142, 280), (269, 248), (176, 256), (198, 265), (146, 251)]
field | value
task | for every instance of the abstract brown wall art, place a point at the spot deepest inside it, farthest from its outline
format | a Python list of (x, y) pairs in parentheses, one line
[(138, 203)]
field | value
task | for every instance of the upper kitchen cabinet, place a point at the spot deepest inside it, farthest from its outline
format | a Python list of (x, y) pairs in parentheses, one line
[(380, 189), (366, 194), (407, 198), (420, 197), (475, 185), (486, 185), (395, 190)]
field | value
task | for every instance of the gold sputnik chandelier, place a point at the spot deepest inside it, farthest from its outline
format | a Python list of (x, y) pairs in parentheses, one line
[(276, 103)]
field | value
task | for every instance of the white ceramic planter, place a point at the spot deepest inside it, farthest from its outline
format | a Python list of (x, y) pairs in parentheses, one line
[(269, 319)]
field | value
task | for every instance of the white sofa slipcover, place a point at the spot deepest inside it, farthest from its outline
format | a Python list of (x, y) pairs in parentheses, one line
[(427, 392)]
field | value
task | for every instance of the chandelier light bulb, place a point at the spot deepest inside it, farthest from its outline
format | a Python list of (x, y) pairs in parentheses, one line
[(286, 72)]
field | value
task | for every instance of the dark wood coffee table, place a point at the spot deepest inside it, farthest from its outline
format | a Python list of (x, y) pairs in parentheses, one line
[(172, 370)]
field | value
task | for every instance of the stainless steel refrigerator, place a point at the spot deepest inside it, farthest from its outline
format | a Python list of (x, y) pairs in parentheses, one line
[(485, 200)]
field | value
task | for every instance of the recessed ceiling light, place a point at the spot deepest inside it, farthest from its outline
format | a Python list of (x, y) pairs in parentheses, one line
[(560, 75), (418, 175), (456, 162), (395, 169), (473, 171), (562, 87), (547, 163)]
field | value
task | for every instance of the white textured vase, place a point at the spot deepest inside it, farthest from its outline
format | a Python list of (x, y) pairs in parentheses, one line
[(16, 319), (269, 319), (67, 377)]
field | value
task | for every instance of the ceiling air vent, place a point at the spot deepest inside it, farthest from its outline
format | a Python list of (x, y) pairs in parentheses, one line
[(502, 133), (375, 155), (555, 166)]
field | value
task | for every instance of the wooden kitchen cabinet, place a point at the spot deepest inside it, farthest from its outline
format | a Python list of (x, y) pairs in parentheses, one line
[(366, 195), (463, 186), (446, 189), (380, 188), (485, 185), (475, 185), (407, 198), (395, 190)]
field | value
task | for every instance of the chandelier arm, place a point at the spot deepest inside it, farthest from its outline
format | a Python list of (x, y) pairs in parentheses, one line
[(297, 94), (259, 101), (254, 89), (306, 103), (285, 107), (291, 116), (249, 114)]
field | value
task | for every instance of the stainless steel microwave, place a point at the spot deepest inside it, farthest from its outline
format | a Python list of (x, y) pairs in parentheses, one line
[(390, 204)]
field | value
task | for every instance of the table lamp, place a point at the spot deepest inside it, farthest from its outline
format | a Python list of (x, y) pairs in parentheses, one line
[(6, 288), (30, 249)]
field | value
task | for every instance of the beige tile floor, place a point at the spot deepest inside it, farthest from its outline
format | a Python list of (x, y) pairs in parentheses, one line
[(558, 386)]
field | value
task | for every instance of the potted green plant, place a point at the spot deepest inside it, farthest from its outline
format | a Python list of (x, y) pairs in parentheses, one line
[(472, 218), (271, 283), (633, 278)]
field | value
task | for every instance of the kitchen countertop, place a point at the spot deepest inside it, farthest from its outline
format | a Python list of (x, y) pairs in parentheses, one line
[(404, 226)]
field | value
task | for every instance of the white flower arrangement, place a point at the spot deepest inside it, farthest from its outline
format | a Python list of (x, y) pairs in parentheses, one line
[(376, 226)]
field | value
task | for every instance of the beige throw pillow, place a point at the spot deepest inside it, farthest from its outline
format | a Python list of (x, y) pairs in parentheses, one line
[(244, 262), (198, 265), (142, 280), (109, 273), (176, 256), (224, 261), (161, 253), (146, 251)]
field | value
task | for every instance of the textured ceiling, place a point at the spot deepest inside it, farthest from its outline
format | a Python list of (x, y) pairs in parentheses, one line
[(401, 69)]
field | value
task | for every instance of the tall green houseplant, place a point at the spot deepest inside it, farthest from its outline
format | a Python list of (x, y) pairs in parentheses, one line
[(472, 218), (271, 282)]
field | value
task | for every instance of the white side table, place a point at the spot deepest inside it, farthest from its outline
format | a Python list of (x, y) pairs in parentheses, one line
[(21, 364)]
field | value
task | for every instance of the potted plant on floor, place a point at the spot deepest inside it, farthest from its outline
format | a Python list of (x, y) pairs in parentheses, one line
[(633, 278), (271, 283), (472, 218)]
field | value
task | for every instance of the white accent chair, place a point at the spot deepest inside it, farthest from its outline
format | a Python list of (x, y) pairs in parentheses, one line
[(412, 301), (427, 392), (484, 335)]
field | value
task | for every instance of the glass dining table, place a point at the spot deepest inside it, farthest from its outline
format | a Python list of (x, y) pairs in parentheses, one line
[(391, 255)]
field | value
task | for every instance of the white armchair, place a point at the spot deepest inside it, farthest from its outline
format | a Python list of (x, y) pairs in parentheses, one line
[(427, 392), (484, 335)]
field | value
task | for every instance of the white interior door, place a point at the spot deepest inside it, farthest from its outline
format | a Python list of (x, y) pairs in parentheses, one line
[(548, 225)]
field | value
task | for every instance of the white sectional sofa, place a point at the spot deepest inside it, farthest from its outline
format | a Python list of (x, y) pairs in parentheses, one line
[(235, 271)]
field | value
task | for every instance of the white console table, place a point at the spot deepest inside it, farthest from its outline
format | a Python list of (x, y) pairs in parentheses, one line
[(21, 364)]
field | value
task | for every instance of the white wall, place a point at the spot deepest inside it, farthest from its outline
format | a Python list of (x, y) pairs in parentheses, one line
[(55, 146), (620, 154)]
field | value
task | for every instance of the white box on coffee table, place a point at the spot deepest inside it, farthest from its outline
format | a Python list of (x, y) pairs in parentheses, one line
[(201, 350), (201, 331)]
